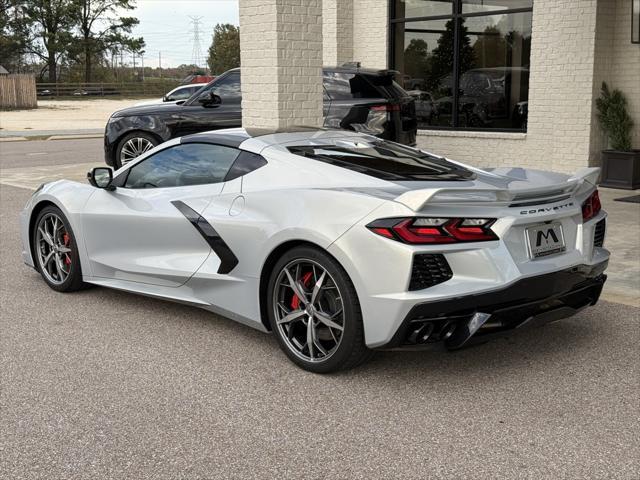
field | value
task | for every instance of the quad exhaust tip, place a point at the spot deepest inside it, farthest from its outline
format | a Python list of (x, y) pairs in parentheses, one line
[(462, 332), (454, 333)]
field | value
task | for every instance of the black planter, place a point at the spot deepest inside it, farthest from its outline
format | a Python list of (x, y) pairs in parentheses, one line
[(620, 169)]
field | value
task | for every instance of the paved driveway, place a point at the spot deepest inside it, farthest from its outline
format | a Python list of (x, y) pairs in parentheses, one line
[(103, 384)]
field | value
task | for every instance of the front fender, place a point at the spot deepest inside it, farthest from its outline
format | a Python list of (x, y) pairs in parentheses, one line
[(70, 197)]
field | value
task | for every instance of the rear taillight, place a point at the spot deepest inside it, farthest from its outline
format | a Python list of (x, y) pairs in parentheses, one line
[(591, 207), (420, 231), (386, 108)]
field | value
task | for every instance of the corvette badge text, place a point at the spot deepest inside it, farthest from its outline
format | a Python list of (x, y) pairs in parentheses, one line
[(546, 209)]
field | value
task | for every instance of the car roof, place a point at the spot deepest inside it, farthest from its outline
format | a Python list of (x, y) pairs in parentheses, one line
[(343, 69), (363, 71), (190, 85), (255, 139), (230, 137)]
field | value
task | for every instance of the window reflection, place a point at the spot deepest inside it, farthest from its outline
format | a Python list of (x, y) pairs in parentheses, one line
[(474, 6), (422, 8), (492, 61), (424, 55)]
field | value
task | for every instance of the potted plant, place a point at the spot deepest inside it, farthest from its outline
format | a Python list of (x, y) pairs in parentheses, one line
[(620, 163)]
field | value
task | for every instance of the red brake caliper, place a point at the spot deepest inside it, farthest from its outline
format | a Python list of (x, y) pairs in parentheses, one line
[(65, 239), (306, 280)]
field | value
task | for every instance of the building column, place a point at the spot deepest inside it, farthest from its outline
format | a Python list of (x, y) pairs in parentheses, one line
[(337, 31), (281, 57), (370, 27)]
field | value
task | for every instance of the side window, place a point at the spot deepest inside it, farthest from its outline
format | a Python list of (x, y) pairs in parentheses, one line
[(180, 165), (228, 88), (246, 162), (181, 94)]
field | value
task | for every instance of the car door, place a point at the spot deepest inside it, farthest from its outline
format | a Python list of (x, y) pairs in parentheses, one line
[(199, 117), (145, 230)]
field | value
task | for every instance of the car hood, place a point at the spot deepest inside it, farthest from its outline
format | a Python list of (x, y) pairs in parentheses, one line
[(155, 109)]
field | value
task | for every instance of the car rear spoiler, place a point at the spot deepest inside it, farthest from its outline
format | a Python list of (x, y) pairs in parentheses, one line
[(416, 200)]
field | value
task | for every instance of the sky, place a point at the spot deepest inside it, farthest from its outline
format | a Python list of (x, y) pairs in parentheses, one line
[(166, 28)]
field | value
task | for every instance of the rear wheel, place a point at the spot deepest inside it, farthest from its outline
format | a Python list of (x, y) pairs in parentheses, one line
[(56, 252), (132, 146), (315, 313)]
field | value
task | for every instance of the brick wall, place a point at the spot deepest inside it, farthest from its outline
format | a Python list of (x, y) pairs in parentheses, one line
[(337, 31), (625, 64), (370, 26), (281, 58)]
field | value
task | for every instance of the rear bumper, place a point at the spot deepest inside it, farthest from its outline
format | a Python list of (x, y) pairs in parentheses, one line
[(538, 299)]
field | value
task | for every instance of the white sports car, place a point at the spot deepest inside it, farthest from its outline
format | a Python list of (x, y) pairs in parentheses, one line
[(338, 242)]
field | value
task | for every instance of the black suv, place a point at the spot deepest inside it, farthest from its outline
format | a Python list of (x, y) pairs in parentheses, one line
[(354, 98)]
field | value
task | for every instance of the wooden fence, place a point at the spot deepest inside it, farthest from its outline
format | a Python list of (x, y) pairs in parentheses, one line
[(83, 90), (17, 91)]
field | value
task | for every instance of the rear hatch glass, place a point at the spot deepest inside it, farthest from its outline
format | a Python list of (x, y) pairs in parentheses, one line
[(384, 160), (350, 86)]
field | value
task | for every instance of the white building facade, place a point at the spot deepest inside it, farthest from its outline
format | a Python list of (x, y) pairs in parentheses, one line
[(502, 82)]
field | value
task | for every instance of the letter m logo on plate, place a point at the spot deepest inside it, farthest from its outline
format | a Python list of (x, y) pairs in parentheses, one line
[(550, 234)]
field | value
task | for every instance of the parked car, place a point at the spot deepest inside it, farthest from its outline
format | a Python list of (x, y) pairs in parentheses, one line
[(178, 94), (426, 107), (193, 78), (485, 99), (355, 99), (338, 242)]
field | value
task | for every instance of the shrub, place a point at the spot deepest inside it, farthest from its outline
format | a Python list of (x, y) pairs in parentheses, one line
[(614, 118)]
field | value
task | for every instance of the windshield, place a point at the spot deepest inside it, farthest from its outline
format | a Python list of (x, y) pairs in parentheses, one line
[(384, 160)]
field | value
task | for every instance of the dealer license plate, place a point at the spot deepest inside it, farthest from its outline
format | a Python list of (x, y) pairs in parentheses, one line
[(544, 240)]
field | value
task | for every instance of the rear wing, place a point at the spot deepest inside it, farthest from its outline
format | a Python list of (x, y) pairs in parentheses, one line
[(416, 200)]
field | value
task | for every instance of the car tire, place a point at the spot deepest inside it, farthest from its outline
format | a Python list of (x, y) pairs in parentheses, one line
[(132, 146), (55, 251), (334, 305)]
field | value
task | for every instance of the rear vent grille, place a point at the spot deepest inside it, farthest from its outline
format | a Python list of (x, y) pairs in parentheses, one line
[(429, 270), (598, 236)]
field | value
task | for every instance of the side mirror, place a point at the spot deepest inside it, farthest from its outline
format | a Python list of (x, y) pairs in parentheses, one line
[(101, 177), (209, 99), (165, 99)]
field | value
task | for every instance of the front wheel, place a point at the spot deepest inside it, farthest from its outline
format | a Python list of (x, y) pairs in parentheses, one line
[(314, 312), (56, 251)]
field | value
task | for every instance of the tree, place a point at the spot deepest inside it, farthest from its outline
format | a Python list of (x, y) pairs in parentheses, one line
[(101, 30), (491, 48), (442, 58), (49, 30), (13, 34), (224, 52), (416, 59)]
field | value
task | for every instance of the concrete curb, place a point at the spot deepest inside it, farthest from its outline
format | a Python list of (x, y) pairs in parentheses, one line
[(13, 139), (43, 134), (79, 136)]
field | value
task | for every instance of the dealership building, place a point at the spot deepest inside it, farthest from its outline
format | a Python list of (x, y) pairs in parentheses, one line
[(496, 82)]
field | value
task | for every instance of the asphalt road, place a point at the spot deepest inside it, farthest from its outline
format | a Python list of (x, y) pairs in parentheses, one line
[(50, 152), (104, 384)]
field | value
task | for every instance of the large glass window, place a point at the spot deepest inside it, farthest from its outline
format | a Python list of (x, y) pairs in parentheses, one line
[(635, 21), (466, 62)]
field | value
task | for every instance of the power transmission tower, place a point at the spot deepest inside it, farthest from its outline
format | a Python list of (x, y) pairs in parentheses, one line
[(196, 54)]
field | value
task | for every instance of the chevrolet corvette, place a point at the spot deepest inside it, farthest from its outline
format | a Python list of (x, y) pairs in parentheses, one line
[(338, 242)]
